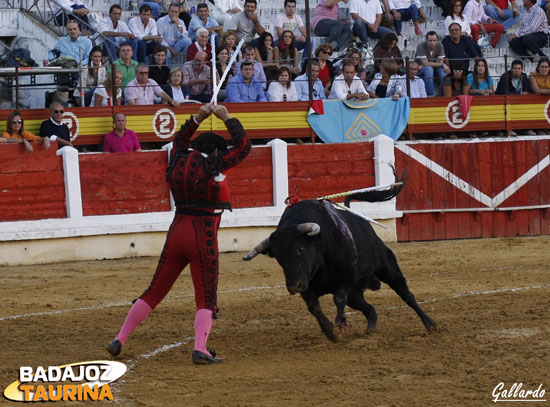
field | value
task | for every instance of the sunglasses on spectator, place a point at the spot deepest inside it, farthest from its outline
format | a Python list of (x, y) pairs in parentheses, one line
[(16, 122), (326, 51), (58, 111)]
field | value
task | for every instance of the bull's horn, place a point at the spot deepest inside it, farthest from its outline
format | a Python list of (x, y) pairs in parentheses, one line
[(311, 229), (261, 247)]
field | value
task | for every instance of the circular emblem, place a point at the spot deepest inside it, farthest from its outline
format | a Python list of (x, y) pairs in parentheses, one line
[(72, 123), (165, 123), (546, 115), (454, 116)]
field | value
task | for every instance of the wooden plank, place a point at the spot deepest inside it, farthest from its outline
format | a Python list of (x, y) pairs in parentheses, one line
[(474, 180), (402, 224), (439, 188), (462, 170), (28, 211), (544, 187), (485, 186), (498, 183), (451, 219), (426, 196)]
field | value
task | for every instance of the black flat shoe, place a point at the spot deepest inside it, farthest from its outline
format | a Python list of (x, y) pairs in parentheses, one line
[(200, 358), (114, 347)]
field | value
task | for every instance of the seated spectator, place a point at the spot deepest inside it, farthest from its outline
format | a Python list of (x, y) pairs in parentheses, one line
[(54, 128), (203, 20), (72, 46), (302, 86), (539, 80), (455, 84), (387, 83), (282, 89), (16, 133), (201, 44), (354, 55), (515, 82), (445, 6), (155, 5), (95, 74), (289, 20), (268, 56), (159, 72), (125, 64), (225, 10), (118, 33), (326, 23), (173, 32), (230, 41), (142, 90), (387, 48), (431, 57), (67, 10), (221, 66), (532, 35), (480, 81), (121, 139), (406, 10), (348, 85), (456, 16), (145, 30), (246, 24), (416, 85), (175, 88), (288, 53), (103, 94), (459, 49), (244, 87), (500, 11), (326, 69), (479, 21), (257, 68), (366, 18), (196, 76)]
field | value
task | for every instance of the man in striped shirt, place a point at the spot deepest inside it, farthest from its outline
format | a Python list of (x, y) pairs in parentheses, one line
[(533, 31)]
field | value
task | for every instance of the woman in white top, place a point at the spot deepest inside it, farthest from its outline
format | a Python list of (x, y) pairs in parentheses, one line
[(103, 95), (94, 75), (283, 89), (457, 17), (387, 83), (175, 88)]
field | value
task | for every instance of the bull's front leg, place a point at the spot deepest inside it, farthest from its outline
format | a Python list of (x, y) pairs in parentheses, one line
[(312, 301), (340, 300)]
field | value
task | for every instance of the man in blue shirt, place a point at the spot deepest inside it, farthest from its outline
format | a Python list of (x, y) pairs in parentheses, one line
[(203, 19), (244, 87), (302, 86), (73, 46)]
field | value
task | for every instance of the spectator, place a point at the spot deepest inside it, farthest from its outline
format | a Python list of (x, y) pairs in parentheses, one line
[(456, 16), (533, 31), (515, 82), (405, 10), (455, 84), (225, 10), (159, 72), (16, 133), (416, 85), (387, 83), (326, 69), (480, 81), (155, 5), (173, 32), (480, 21), (201, 44), (145, 30), (287, 52), (348, 85), (354, 55), (103, 94), (54, 128), (387, 48), (121, 139), (268, 56), (244, 87), (302, 86), (246, 24), (221, 66), (257, 68), (175, 88), (445, 7), (229, 40), (430, 56), (125, 64), (72, 46), (500, 11), (289, 20), (95, 74), (196, 76), (67, 10), (203, 20), (118, 33), (326, 23), (142, 90), (283, 89), (539, 80), (366, 18), (458, 48)]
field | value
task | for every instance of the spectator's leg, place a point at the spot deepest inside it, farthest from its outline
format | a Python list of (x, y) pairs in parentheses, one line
[(510, 20), (361, 31), (380, 33), (492, 12), (150, 47), (475, 32), (61, 19), (182, 45), (337, 32), (427, 75), (110, 49), (141, 47), (518, 46), (497, 30), (535, 42), (88, 97)]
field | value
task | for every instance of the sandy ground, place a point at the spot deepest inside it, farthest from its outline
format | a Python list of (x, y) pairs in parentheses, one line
[(490, 297)]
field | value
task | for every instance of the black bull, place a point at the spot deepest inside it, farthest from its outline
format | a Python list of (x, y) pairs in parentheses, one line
[(323, 250)]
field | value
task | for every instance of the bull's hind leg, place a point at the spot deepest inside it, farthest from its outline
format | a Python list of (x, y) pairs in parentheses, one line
[(393, 276), (312, 301), (358, 302)]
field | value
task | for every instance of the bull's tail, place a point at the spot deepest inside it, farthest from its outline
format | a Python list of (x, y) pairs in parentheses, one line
[(379, 196)]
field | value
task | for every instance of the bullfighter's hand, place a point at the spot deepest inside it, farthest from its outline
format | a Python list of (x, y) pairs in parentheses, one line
[(221, 112), (204, 112)]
